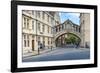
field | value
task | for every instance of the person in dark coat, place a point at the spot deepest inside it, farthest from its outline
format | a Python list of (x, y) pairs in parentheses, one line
[(77, 44), (41, 46)]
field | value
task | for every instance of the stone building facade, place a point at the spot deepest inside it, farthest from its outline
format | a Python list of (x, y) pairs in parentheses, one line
[(85, 29), (37, 28)]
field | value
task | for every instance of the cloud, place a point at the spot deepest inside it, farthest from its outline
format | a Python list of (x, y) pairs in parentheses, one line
[(74, 17)]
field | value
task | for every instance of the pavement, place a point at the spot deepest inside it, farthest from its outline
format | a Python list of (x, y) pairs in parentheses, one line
[(60, 54), (36, 52)]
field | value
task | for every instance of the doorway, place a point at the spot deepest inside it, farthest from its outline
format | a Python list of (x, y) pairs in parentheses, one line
[(32, 45)]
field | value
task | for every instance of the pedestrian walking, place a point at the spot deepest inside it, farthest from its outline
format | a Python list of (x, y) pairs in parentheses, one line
[(77, 44), (41, 46)]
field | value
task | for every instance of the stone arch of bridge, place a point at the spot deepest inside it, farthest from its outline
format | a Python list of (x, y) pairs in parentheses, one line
[(66, 32), (61, 42)]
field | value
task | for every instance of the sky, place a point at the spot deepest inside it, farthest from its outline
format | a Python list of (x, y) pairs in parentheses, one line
[(74, 17)]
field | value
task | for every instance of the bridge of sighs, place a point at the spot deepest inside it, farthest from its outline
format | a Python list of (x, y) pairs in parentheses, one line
[(62, 31)]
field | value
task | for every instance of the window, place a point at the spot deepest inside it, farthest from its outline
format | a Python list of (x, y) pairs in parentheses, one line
[(38, 40), (24, 22), (33, 25), (51, 41), (38, 14), (28, 40), (43, 28), (43, 15), (24, 40), (24, 37), (52, 30), (32, 12), (39, 26), (27, 23), (83, 21), (48, 18), (48, 40), (24, 43), (48, 29), (35, 14)]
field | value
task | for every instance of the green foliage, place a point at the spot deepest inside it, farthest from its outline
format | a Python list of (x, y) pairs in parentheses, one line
[(72, 39), (68, 41)]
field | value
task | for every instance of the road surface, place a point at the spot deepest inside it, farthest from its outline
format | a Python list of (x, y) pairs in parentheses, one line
[(61, 54)]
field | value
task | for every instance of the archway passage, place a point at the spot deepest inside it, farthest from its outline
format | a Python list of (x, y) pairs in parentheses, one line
[(68, 40)]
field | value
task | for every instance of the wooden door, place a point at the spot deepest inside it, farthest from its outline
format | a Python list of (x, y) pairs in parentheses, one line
[(33, 45)]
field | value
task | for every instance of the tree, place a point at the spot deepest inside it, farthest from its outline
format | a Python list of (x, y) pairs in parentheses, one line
[(72, 39)]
